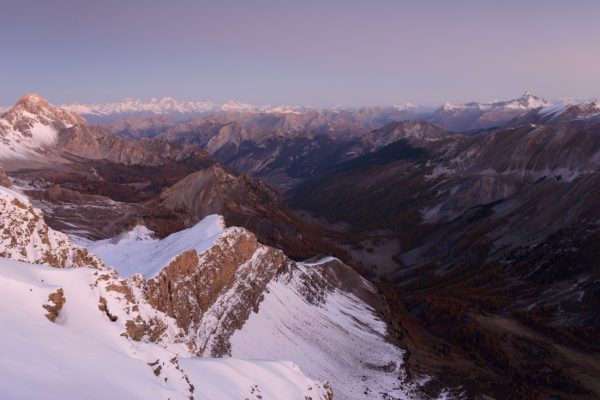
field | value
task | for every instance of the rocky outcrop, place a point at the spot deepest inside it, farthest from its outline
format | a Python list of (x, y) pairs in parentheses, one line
[(25, 236), (414, 131), (57, 300), (210, 295), (167, 185), (4, 180), (32, 109), (205, 297), (242, 201)]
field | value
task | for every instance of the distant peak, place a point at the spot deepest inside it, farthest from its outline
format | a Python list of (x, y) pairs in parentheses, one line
[(449, 106), (528, 100), (529, 95), (32, 104), (33, 99)]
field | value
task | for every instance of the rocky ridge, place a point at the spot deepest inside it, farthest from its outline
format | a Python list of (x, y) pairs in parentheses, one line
[(26, 237), (131, 305), (211, 294), (202, 296), (168, 186)]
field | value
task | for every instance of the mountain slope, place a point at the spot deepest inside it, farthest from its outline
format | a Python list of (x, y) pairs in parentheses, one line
[(31, 127), (209, 290), (278, 330), (229, 297), (63, 318), (473, 116), (63, 350), (285, 148), (496, 239), (166, 185)]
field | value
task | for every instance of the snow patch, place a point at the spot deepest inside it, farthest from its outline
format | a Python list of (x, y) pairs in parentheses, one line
[(362, 365), (137, 252), (84, 356)]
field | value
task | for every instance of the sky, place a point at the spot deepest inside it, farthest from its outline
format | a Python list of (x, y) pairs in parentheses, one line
[(319, 53)]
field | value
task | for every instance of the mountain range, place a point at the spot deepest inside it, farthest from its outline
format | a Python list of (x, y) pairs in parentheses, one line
[(152, 274), (385, 252), (448, 115)]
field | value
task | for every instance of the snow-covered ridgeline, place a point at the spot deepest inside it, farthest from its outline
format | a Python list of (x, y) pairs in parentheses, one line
[(138, 252), (331, 334), (31, 127), (339, 336), (90, 346), (303, 321), (168, 105)]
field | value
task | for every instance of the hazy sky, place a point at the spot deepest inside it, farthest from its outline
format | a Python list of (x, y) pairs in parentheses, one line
[(299, 52)]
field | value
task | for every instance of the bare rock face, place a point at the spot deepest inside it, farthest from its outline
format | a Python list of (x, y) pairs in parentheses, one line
[(4, 180), (25, 236), (417, 131), (227, 139), (57, 300), (198, 299), (243, 201), (95, 143), (212, 294), (201, 193)]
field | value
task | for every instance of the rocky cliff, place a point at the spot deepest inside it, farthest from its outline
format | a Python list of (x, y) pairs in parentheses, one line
[(25, 236)]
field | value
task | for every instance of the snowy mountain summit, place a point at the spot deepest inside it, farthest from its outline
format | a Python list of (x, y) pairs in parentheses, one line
[(31, 126), (169, 106)]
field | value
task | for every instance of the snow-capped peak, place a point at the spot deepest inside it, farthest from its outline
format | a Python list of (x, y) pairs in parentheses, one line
[(169, 105), (31, 126), (450, 107), (574, 109), (165, 105), (238, 106), (33, 105), (32, 98), (527, 101)]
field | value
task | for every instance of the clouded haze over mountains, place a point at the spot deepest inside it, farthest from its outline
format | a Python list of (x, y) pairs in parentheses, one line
[(309, 52)]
